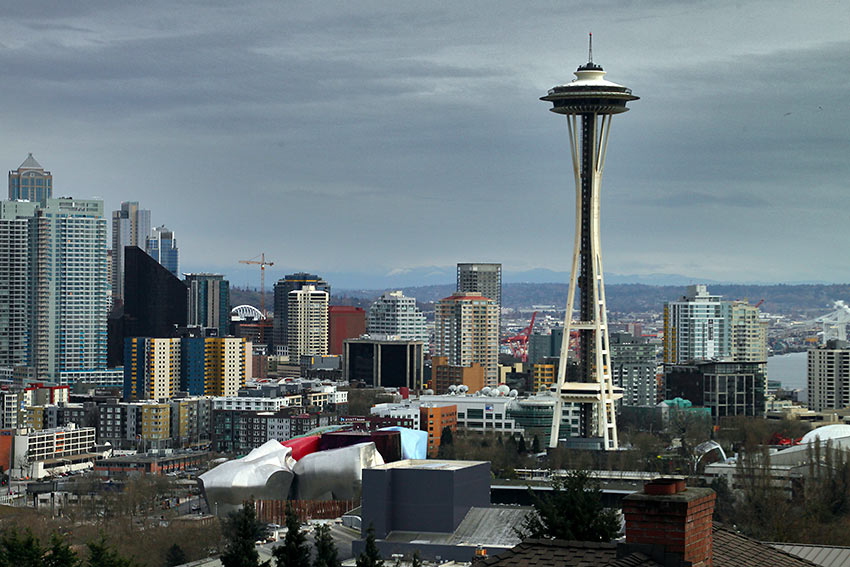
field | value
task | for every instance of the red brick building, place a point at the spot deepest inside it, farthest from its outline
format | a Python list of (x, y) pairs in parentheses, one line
[(344, 322)]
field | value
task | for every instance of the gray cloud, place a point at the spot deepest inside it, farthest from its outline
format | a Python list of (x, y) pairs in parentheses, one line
[(379, 136)]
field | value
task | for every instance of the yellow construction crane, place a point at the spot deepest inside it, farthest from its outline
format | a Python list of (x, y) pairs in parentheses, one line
[(262, 263)]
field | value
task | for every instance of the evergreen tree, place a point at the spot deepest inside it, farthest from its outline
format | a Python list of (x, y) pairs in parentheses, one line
[(175, 556), (521, 449), (18, 550), (241, 530), (295, 551), (60, 554), (572, 511), (447, 449), (326, 554), (371, 556), (416, 561), (100, 555), (535, 444)]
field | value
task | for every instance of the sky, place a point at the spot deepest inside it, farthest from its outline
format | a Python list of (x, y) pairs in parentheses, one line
[(385, 141)]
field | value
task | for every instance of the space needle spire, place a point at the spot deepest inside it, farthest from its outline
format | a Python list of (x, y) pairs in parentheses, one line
[(588, 102)]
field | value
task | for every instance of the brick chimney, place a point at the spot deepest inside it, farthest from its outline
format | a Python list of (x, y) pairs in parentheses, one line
[(670, 522)]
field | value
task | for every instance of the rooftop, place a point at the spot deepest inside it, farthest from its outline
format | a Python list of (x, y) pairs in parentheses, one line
[(430, 464)]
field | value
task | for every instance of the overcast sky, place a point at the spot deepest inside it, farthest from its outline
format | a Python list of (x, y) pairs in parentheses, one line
[(379, 137)]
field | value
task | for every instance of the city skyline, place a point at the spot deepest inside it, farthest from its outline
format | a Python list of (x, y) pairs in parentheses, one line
[(738, 162)]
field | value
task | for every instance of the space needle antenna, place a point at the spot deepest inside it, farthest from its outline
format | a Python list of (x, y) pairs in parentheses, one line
[(590, 47)]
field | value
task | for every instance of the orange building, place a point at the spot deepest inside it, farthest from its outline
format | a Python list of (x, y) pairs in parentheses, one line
[(434, 419), (444, 375)]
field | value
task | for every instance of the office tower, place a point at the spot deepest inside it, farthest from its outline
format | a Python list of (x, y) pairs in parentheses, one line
[(544, 346), (155, 303), (131, 226), (393, 314), (30, 182), (389, 363), (209, 302), (280, 330), (344, 322), (829, 376), (14, 296), (161, 245), (307, 314), (589, 102), (726, 388), (483, 279), (467, 331), (151, 368), (634, 366)]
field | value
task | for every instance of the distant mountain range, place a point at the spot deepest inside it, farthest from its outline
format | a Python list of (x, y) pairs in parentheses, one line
[(798, 300)]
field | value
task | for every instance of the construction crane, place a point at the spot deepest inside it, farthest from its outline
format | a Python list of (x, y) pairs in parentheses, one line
[(262, 263), (519, 342)]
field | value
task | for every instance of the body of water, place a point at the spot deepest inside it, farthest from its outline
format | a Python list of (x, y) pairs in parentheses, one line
[(790, 369)]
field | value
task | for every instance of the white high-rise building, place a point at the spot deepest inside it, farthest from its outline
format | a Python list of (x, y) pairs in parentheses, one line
[(394, 314), (66, 287), (131, 226), (14, 278), (307, 322), (701, 326), (467, 331), (829, 376)]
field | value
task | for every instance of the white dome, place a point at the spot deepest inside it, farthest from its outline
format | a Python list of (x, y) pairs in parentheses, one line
[(827, 432)]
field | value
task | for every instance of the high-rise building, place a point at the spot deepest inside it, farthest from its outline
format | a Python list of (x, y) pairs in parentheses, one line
[(307, 318), (161, 245), (467, 331), (209, 302), (696, 327), (701, 326), (634, 366), (389, 363), (131, 226), (829, 376), (394, 314), (482, 279), (544, 346), (30, 182), (344, 322), (65, 293), (155, 303), (14, 296), (589, 103), (291, 282)]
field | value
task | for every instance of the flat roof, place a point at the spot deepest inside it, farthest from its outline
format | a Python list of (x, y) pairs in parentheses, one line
[(430, 464)]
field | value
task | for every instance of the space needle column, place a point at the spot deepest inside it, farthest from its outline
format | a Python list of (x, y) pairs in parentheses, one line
[(588, 102)]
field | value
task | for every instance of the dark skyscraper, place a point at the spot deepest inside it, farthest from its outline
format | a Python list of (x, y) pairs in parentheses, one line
[(154, 304), (282, 288)]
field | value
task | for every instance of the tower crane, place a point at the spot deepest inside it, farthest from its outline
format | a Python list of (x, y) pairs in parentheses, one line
[(262, 263)]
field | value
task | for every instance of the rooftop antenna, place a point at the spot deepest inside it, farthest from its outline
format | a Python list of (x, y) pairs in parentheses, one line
[(590, 48)]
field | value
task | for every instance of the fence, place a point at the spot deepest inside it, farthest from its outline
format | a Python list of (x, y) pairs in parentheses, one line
[(274, 511)]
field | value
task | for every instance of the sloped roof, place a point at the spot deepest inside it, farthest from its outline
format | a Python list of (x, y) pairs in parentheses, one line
[(730, 550), (824, 555), (30, 163)]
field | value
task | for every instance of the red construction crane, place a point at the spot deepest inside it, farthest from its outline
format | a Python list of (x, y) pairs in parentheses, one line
[(759, 303), (519, 342), (262, 263)]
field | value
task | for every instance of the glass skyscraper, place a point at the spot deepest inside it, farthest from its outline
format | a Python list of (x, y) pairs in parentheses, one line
[(162, 246), (30, 182)]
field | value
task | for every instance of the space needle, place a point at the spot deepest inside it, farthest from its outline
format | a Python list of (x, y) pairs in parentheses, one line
[(588, 102)]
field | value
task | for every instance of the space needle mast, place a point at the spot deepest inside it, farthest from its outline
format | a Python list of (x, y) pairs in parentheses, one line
[(588, 102)]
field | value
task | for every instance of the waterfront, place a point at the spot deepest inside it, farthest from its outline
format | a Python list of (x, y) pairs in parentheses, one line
[(789, 369)]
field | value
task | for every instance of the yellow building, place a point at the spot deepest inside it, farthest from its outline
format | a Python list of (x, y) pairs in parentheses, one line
[(544, 375), (156, 421)]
